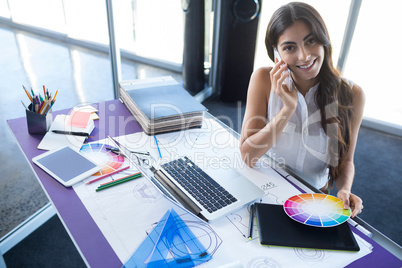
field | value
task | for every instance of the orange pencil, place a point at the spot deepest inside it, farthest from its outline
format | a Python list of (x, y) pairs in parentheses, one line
[(29, 96), (44, 103), (48, 107), (54, 98)]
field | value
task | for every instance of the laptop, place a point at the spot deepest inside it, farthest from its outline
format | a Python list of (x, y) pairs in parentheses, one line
[(210, 192)]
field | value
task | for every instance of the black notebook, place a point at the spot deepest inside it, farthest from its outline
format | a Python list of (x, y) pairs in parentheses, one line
[(276, 228)]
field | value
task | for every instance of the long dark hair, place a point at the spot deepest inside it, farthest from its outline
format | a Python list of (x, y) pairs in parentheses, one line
[(334, 96)]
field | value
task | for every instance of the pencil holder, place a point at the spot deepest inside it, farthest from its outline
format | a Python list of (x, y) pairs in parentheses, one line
[(38, 123)]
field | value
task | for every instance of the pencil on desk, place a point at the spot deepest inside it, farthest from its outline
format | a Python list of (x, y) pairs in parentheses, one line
[(111, 184), (136, 175), (157, 146), (107, 175), (250, 230)]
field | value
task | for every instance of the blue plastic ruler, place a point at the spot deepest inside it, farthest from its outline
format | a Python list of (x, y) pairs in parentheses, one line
[(170, 244)]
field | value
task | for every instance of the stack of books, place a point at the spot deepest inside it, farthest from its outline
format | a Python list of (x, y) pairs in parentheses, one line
[(161, 106)]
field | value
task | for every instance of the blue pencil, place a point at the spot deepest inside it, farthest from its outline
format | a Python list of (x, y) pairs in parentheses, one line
[(157, 146)]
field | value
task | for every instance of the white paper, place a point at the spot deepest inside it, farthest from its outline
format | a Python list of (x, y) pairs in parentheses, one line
[(125, 214), (53, 140)]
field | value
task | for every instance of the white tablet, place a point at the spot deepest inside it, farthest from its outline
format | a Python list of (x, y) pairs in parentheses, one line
[(66, 165)]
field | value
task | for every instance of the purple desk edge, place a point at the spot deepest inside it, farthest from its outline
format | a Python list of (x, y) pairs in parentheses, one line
[(116, 120)]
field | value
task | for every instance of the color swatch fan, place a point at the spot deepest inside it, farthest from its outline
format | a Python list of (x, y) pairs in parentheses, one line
[(318, 210), (99, 153)]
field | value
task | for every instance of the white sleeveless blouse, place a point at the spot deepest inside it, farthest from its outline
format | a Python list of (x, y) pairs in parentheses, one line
[(303, 144)]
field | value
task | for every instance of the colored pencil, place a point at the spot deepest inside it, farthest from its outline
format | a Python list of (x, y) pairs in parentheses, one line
[(107, 175), (157, 146), (24, 105), (138, 174), (29, 95), (54, 98), (44, 103), (118, 182), (44, 108), (38, 104)]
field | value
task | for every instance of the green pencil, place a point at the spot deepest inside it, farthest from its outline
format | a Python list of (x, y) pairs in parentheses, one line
[(129, 177), (135, 176), (126, 177)]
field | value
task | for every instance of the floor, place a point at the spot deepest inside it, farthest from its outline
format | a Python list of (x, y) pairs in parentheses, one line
[(82, 76)]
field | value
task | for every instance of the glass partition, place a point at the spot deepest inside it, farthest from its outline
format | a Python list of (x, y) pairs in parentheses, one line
[(4, 10), (151, 28), (47, 14), (86, 20), (154, 29), (375, 65)]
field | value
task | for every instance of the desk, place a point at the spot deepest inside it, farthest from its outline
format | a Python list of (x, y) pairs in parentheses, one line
[(116, 120)]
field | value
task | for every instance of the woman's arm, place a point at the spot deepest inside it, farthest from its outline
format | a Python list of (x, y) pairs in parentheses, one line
[(258, 135), (345, 179)]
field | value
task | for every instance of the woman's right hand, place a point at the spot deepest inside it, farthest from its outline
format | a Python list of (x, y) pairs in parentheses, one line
[(278, 74)]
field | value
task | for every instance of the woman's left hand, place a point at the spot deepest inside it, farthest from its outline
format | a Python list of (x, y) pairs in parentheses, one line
[(351, 200)]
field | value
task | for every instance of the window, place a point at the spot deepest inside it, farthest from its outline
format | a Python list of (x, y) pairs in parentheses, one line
[(48, 14), (154, 29), (374, 59), (4, 11), (151, 28), (86, 20)]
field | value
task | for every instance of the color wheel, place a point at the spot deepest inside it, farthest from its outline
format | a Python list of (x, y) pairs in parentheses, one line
[(98, 153), (318, 210)]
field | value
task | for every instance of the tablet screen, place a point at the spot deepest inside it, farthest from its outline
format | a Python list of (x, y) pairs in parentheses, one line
[(66, 163)]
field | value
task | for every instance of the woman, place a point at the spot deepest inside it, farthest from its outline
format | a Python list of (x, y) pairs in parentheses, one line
[(312, 126)]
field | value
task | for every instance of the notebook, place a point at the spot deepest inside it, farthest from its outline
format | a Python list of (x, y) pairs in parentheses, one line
[(53, 140), (230, 190), (278, 229)]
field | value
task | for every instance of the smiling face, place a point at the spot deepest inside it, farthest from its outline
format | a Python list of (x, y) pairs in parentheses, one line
[(301, 51)]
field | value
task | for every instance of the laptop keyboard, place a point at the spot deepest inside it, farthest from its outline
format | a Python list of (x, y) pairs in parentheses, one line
[(199, 184)]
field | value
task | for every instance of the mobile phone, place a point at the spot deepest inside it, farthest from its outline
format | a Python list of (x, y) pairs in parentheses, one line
[(288, 80)]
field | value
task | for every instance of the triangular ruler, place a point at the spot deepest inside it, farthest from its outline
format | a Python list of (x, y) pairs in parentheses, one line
[(170, 244)]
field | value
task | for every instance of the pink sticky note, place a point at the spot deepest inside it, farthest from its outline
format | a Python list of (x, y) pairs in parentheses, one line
[(78, 119)]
